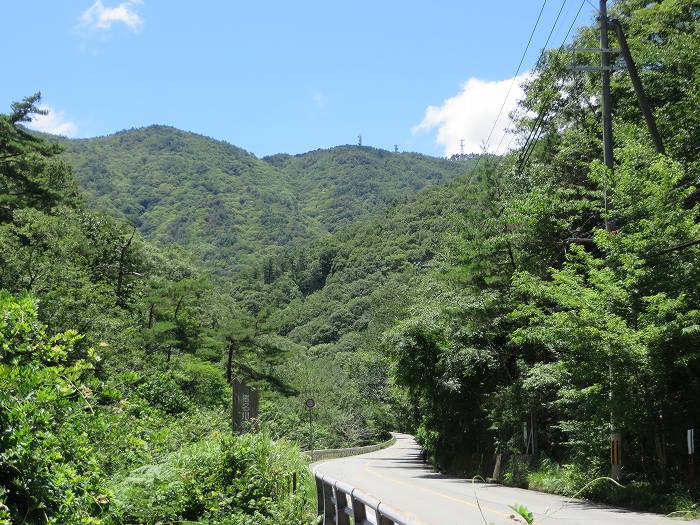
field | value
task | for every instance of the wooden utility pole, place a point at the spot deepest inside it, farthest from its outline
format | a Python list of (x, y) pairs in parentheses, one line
[(606, 70), (606, 101)]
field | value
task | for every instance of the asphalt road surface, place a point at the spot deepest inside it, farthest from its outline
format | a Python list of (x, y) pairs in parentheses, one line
[(397, 477)]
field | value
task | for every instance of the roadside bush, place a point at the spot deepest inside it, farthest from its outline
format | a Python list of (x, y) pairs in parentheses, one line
[(224, 480), (203, 382), (49, 472), (164, 392), (571, 480)]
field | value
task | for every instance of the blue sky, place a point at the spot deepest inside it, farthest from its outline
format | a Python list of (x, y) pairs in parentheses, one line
[(277, 76)]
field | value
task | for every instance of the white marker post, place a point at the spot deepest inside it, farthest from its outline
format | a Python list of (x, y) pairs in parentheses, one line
[(691, 452)]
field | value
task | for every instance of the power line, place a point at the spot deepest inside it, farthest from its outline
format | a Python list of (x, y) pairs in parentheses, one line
[(536, 131), (542, 54), (520, 64), (517, 70), (529, 145)]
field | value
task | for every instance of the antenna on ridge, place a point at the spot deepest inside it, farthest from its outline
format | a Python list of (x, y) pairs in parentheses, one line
[(359, 140), (461, 147), (396, 148)]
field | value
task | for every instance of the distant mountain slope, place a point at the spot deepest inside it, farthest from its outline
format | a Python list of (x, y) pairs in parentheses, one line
[(230, 207), (217, 199), (363, 261), (339, 185)]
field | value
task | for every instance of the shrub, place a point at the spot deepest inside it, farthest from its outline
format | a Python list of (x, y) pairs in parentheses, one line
[(163, 391), (203, 382), (48, 464), (231, 480)]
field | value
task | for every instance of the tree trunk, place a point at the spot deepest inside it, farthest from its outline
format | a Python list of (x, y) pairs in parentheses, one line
[(150, 315), (660, 452), (177, 308)]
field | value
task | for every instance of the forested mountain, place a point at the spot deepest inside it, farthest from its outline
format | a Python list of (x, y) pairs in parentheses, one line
[(339, 185), (229, 207), (141, 341), (178, 187), (110, 374)]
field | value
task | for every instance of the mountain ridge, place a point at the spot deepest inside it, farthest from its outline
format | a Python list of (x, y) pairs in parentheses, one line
[(230, 206)]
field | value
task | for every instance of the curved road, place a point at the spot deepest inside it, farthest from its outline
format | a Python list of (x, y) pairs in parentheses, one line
[(397, 477)]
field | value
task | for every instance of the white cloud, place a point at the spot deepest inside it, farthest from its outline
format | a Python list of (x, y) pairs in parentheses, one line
[(54, 122), (99, 17), (470, 114)]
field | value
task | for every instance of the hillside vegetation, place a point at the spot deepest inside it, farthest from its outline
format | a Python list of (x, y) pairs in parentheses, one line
[(110, 382), (229, 207), (503, 300), (341, 185)]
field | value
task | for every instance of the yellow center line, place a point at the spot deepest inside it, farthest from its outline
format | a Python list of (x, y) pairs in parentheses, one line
[(452, 498)]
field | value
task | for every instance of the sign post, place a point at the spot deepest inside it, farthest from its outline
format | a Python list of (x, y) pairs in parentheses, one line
[(615, 455), (244, 405), (691, 452)]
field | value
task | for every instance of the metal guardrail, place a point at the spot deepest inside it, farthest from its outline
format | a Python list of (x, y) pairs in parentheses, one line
[(335, 453), (338, 502)]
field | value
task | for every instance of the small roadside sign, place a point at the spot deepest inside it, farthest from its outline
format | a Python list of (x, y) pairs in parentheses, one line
[(310, 403)]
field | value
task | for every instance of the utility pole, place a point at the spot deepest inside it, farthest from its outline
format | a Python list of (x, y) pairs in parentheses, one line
[(615, 437), (606, 69), (606, 101)]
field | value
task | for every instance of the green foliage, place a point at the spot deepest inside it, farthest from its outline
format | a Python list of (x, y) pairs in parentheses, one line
[(231, 208), (534, 312), (338, 186), (522, 511), (71, 425), (498, 297), (573, 481), (31, 176), (48, 464), (228, 480)]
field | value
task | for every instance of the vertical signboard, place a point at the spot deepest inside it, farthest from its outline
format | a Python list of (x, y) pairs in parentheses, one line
[(244, 405)]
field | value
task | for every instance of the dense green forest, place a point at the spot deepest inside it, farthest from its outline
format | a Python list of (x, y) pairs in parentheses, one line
[(230, 208), (142, 270), (114, 404)]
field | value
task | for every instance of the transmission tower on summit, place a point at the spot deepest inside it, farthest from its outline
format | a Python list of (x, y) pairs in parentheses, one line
[(359, 140), (461, 147)]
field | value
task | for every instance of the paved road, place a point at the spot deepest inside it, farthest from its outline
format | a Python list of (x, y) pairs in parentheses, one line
[(397, 477)]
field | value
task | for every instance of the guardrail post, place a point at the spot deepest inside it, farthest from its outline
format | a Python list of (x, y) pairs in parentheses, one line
[(319, 496), (341, 503), (359, 511), (382, 519), (328, 505)]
